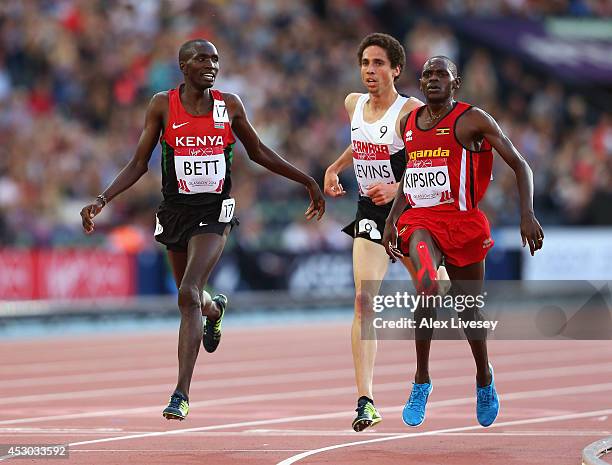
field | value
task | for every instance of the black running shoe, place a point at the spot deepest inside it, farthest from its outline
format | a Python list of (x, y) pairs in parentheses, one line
[(212, 329), (177, 408), (367, 416)]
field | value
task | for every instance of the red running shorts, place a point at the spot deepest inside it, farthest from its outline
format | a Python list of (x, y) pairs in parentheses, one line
[(463, 237)]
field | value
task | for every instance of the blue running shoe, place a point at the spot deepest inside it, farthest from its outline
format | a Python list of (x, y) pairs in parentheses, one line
[(414, 410), (487, 402)]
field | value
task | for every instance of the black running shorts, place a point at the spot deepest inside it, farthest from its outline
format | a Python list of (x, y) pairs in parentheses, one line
[(369, 222), (176, 224)]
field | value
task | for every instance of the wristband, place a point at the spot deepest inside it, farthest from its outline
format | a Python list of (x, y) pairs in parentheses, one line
[(102, 198)]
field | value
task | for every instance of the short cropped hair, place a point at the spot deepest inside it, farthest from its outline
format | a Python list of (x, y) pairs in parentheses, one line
[(187, 49), (395, 50), (450, 63)]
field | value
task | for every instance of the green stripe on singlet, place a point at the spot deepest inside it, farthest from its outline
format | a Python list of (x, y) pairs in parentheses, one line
[(230, 153), (164, 157)]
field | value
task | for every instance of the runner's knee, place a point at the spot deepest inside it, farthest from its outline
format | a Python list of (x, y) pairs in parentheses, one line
[(189, 298), (426, 276), (363, 303)]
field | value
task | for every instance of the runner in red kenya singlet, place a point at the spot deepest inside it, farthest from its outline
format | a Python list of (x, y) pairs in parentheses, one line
[(197, 127), (448, 168), (197, 150)]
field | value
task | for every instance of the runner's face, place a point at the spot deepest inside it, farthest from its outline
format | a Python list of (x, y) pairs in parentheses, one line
[(437, 81), (202, 66), (376, 71)]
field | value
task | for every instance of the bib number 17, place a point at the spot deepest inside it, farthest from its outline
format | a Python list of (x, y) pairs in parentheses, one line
[(227, 210)]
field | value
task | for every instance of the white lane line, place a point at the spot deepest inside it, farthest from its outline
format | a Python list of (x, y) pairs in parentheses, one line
[(91, 347), (99, 361), (104, 361), (139, 451), (450, 381), (458, 401), (389, 369), (275, 433), (547, 393), (137, 373), (528, 421), (350, 432), (240, 367)]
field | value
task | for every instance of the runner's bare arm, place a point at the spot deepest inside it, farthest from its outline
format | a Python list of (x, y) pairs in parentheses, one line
[(262, 155), (389, 238), (331, 183), (138, 164), (484, 125)]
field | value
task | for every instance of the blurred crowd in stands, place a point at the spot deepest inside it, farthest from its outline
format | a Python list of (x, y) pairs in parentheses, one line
[(76, 77)]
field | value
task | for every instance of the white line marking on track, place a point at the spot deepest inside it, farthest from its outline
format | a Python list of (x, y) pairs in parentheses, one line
[(158, 372), (325, 416), (350, 432), (240, 367), (304, 376), (173, 451), (451, 381), (527, 421), (465, 400), (276, 433), (60, 430)]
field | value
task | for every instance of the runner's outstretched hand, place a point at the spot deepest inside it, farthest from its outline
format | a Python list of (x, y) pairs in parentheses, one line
[(88, 212), (317, 202), (531, 233), (389, 240), (331, 184)]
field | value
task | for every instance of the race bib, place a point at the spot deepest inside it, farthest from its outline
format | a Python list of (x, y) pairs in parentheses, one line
[(427, 186), (220, 112), (366, 226), (199, 170), (227, 210), (385, 134), (371, 171), (158, 227)]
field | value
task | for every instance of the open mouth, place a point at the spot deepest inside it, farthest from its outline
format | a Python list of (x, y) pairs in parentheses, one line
[(208, 76)]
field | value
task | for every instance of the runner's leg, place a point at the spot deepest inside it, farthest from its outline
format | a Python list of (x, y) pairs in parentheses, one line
[(425, 257), (178, 263), (468, 280), (203, 253), (370, 263)]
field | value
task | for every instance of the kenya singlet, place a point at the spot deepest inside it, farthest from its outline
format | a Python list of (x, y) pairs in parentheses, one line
[(440, 172), (378, 152), (196, 154)]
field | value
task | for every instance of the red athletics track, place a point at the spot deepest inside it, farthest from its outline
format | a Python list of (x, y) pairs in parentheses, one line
[(273, 395)]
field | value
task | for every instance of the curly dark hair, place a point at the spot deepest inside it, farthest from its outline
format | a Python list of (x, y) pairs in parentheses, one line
[(395, 50)]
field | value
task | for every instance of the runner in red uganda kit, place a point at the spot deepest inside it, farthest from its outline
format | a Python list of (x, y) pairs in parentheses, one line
[(197, 127), (449, 160)]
